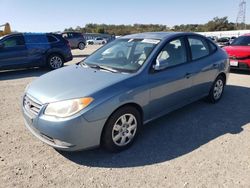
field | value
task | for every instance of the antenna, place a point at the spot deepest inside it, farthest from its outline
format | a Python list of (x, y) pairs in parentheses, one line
[(241, 17)]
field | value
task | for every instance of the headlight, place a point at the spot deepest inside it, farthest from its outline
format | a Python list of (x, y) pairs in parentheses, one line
[(67, 108)]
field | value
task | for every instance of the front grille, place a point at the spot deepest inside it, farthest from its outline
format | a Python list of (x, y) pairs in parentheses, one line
[(239, 58), (31, 106)]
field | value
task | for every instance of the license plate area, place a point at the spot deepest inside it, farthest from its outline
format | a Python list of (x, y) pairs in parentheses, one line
[(234, 63)]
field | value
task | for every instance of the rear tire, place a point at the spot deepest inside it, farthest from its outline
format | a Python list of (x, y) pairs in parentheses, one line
[(55, 61), (121, 129), (216, 90), (81, 46)]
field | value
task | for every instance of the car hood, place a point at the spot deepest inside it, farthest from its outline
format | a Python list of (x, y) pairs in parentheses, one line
[(71, 82), (238, 51)]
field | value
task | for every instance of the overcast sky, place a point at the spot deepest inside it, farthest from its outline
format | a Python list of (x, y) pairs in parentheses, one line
[(56, 15)]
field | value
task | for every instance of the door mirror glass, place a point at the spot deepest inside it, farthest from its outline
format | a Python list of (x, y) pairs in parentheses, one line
[(160, 64)]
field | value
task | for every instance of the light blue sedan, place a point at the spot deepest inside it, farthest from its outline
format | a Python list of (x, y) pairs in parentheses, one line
[(105, 99)]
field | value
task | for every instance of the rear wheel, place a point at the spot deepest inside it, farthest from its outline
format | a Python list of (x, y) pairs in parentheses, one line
[(55, 61), (217, 89), (81, 45), (121, 129)]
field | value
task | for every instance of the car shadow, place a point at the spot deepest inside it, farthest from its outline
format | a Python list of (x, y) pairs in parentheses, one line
[(22, 73), (177, 133), (84, 56), (246, 72)]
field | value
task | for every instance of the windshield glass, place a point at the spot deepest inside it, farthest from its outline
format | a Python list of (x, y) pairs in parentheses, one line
[(241, 41), (124, 55)]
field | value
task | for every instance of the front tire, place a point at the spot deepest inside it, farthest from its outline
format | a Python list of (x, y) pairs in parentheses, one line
[(55, 61), (217, 89), (121, 129)]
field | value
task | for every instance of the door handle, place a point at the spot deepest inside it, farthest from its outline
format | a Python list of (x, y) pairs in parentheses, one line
[(215, 65)]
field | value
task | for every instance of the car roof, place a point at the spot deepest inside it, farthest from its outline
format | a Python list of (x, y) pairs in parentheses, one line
[(13, 34), (157, 35)]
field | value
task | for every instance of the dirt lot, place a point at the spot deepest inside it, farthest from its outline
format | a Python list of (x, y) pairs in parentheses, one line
[(201, 145)]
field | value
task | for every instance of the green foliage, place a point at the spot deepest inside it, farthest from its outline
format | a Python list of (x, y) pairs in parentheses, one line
[(216, 24)]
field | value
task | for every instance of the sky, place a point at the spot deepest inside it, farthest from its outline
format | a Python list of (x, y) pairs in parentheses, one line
[(56, 15)]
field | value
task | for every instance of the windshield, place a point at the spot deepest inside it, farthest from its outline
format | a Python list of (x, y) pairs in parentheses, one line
[(241, 41), (123, 55), (224, 39)]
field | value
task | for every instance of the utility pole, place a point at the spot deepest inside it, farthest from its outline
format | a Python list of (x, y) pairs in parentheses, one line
[(241, 17)]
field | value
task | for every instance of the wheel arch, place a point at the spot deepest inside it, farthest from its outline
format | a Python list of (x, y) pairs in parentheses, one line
[(223, 75), (49, 54), (130, 104)]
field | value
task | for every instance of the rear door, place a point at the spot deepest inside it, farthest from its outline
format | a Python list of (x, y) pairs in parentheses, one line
[(37, 47), (204, 64), (13, 54)]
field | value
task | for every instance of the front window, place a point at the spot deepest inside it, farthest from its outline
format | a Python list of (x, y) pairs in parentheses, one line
[(125, 55), (174, 53), (241, 41)]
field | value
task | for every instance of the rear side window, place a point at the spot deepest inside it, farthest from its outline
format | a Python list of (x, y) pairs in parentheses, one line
[(13, 41), (213, 47), (51, 38), (199, 47), (36, 39), (77, 35)]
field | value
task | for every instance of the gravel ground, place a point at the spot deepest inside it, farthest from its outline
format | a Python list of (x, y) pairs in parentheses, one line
[(200, 145)]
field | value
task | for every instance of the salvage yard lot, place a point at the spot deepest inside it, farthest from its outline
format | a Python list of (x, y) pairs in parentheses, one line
[(200, 145)]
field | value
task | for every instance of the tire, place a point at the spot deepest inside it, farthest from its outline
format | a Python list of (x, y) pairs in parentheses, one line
[(121, 129), (217, 90), (81, 46), (103, 42), (55, 61)]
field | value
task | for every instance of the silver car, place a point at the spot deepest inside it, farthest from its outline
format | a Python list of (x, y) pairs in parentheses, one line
[(76, 40), (105, 99)]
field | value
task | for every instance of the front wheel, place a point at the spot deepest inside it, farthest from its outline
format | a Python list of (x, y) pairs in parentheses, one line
[(55, 61), (216, 90), (121, 129)]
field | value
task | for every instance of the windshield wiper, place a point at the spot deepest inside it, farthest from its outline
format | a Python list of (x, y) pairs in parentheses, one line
[(102, 67)]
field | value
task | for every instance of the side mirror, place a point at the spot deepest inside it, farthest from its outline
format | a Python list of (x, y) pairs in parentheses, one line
[(160, 64)]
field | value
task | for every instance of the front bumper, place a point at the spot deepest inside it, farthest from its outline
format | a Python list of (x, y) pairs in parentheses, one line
[(70, 134)]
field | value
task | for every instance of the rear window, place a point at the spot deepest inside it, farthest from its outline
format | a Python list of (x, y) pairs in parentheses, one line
[(199, 47), (77, 35), (36, 39), (212, 46), (241, 41)]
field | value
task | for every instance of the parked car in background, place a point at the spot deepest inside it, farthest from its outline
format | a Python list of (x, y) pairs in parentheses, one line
[(232, 39), (137, 78), (76, 40), (213, 38), (97, 40), (223, 41), (24, 50), (239, 52)]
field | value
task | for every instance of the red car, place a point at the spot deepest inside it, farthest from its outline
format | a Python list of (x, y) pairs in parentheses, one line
[(239, 52)]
